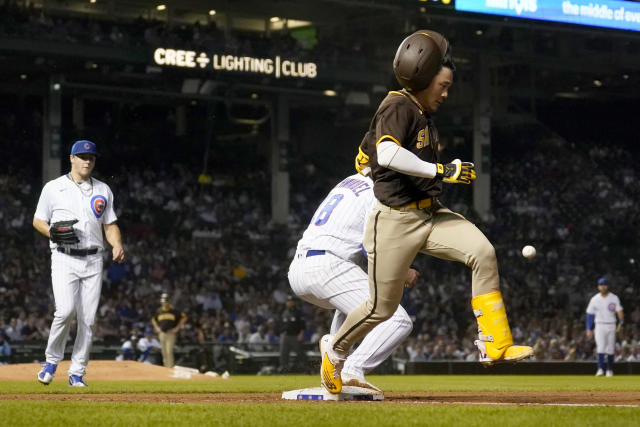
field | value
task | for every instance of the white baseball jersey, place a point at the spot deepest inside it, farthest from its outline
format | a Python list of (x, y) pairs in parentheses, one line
[(90, 202), (324, 271), (604, 308), (76, 280), (337, 225)]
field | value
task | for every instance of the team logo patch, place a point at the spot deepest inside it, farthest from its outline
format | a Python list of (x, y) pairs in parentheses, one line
[(611, 307), (86, 146), (98, 203)]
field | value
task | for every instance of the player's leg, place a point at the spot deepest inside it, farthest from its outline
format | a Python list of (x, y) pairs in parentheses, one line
[(456, 239), (338, 320), (392, 239), (610, 348), (162, 337), (87, 304), (65, 285), (170, 341), (378, 344), (599, 335), (285, 349)]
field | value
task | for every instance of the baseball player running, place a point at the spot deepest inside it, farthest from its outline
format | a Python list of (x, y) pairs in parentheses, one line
[(72, 212), (325, 272), (400, 148), (601, 311)]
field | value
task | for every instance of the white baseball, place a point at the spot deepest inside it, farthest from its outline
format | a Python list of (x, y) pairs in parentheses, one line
[(528, 252)]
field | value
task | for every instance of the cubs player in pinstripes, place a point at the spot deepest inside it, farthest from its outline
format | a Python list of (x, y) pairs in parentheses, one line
[(400, 148), (325, 272), (72, 212), (601, 314)]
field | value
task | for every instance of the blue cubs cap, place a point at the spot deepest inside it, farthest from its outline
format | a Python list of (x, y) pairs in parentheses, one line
[(84, 146), (603, 281)]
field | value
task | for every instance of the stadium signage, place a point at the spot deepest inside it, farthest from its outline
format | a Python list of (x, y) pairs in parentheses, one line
[(275, 66), (617, 14)]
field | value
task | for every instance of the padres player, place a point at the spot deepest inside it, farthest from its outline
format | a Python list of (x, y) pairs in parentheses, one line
[(325, 272), (400, 148), (72, 211), (602, 310), (167, 323)]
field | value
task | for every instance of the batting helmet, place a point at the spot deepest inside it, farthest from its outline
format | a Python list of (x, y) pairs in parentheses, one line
[(420, 57)]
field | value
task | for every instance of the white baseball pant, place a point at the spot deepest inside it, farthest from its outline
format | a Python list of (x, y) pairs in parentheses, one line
[(77, 282), (333, 283), (605, 335)]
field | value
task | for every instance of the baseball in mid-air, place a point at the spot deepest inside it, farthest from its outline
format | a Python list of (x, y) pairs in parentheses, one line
[(528, 252)]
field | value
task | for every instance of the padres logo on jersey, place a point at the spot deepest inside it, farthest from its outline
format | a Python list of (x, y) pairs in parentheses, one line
[(98, 203), (423, 139)]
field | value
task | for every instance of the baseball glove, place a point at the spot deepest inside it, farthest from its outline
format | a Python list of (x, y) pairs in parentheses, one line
[(61, 232)]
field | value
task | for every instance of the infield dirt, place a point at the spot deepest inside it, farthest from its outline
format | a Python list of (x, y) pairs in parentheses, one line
[(105, 370)]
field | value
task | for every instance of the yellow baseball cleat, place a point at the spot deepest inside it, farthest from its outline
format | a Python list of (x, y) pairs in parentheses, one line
[(495, 343), (331, 366)]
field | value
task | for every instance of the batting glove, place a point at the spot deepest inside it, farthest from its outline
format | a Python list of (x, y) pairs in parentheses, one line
[(456, 172)]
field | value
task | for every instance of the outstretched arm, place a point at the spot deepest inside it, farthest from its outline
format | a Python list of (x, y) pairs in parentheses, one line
[(393, 156)]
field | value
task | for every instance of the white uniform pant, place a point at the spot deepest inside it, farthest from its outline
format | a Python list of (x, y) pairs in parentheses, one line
[(333, 283), (605, 335), (77, 282)]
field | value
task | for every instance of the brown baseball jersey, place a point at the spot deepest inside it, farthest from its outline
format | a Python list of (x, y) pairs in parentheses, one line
[(169, 318), (401, 120)]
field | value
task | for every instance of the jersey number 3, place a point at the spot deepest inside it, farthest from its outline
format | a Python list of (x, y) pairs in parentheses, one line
[(325, 212)]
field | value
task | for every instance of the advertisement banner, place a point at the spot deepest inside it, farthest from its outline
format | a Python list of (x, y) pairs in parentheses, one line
[(617, 14)]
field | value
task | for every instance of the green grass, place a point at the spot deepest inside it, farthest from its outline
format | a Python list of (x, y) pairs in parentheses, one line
[(70, 412), (389, 383)]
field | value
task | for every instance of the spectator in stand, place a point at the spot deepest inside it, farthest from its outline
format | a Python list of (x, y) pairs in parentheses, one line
[(258, 339), (148, 347), (5, 350), (129, 349), (12, 332)]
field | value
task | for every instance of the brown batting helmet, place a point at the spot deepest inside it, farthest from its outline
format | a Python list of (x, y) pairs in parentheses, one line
[(420, 57)]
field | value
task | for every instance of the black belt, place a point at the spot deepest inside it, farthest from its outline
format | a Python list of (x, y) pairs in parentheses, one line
[(314, 252), (77, 252)]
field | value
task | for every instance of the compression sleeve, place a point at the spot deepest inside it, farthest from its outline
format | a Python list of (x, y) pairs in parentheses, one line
[(392, 156), (590, 318)]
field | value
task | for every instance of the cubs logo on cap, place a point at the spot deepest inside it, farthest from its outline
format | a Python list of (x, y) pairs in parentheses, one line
[(98, 203), (84, 146)]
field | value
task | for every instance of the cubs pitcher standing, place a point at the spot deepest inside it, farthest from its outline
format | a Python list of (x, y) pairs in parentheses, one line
[(72, 211), (325, 272), (601, 311), (400, 147)]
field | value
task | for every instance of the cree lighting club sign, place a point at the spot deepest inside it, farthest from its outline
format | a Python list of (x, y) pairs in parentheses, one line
[(276, 66)]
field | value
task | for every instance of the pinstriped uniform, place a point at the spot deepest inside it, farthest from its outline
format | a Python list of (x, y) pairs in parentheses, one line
[(333, 279), (76, 280), (604, 308)]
